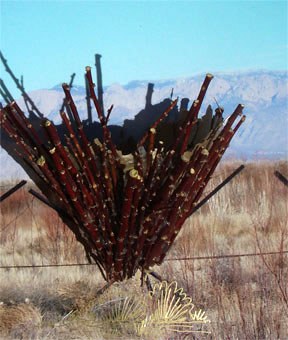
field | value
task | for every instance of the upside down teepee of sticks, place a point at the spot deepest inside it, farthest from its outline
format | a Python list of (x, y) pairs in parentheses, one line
[(125, 209)]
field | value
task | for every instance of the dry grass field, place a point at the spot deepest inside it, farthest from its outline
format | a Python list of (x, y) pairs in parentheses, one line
[(244, 297)]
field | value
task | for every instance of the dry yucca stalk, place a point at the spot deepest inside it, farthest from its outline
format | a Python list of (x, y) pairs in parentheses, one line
[(126, 210)]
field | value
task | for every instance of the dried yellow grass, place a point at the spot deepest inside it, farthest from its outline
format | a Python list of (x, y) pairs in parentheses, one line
[(21, 316)]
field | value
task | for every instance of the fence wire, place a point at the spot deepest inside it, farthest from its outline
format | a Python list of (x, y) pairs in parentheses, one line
[(194, 258), (30, 207)]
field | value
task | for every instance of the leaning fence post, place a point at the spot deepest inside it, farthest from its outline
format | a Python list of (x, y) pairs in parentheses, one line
[(219, 187), (281, 178), (12, 190)]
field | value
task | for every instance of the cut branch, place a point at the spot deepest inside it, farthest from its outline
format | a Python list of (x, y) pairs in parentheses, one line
[(126, 210)]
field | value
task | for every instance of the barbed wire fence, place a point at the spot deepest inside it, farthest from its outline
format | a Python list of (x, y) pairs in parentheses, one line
[(29, 207), (168, 259)]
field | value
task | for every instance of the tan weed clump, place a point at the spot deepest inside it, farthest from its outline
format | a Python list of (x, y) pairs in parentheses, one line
[(130, 311), (19, 320)]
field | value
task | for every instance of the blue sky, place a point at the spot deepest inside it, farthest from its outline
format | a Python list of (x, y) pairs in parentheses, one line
[(47, 41)]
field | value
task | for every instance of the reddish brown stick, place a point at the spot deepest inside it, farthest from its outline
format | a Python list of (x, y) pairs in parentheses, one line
[(131, 185), (194, 110), (158, 121), (106, 133)]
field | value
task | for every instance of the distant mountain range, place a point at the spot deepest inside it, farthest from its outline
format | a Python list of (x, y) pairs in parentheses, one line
[(263, 93)]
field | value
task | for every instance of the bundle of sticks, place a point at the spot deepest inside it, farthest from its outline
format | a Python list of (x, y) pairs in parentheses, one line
[(126, 210)]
